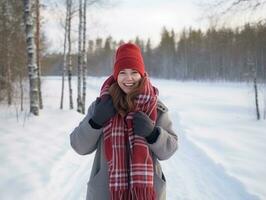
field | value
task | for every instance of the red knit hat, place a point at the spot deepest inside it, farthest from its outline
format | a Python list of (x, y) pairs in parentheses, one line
[(128, 56)]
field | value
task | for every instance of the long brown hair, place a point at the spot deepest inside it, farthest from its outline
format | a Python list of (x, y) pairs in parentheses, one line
[(124, 103)]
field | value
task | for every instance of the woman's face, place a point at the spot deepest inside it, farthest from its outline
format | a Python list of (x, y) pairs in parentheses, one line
[(128, 79)]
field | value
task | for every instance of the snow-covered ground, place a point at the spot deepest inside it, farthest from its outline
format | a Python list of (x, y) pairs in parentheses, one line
[(220, 157)]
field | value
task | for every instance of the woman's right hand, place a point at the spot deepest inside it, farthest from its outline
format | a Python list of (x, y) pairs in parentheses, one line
[(103, 111)]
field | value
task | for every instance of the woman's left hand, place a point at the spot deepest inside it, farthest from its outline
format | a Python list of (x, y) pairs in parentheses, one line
[(142, 124)]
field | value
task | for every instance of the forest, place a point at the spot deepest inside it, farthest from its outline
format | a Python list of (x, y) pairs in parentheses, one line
[(215, 54)]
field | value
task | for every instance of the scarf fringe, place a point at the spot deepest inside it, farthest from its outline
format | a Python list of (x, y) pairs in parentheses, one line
[(139, 193)]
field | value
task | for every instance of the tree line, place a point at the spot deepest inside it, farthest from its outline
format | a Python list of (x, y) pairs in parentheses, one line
[(230, 54)]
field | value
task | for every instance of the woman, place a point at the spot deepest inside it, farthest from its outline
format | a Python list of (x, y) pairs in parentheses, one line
[(130, 130)]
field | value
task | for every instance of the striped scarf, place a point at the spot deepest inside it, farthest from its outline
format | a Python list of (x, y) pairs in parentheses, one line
[(130, 164)]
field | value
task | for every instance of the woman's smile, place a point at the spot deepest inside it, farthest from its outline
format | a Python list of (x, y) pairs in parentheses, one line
[(129, 84)]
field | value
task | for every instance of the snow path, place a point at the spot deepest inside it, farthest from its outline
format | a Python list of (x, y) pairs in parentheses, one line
[(191, 174)]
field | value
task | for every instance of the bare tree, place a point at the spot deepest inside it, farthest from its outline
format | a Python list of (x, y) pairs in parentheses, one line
[(9, 82), (256, 97), (38, 51), (69, 56), (32, 67), (264, 89), (243, 5), (65, 56), (84, 58), (79, 100), (264, 86), (221, 8), (21, 92), (252, 67)]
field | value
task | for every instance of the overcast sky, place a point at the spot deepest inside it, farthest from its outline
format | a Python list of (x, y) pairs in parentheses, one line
[(126, 19), (146, 18)]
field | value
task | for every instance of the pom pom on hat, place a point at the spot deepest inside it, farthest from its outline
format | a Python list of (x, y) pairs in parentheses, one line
[(128, 56)]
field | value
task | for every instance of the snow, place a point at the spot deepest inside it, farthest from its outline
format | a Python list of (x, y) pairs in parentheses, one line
[(220, 155)]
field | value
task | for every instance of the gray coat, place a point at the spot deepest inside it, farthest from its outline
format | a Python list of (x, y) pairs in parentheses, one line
[(85, 140)]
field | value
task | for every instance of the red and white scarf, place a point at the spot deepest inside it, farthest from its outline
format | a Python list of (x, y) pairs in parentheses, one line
[(129, 159)]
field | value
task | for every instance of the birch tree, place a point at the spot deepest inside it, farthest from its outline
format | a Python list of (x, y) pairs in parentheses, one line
[(69, 56), (264, 89), (82, 60), (31, 54), (38, 51), (64, 56), (252, 67), (79, 100), (84, 57)]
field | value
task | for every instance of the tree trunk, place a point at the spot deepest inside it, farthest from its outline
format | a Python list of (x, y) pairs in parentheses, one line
[(79, 101), (7, 53), (21, 91), (9, 82), (256, 98), (264, 84), (264, 113), (65, 59), (69, 61), (84, 58), (38, 50), (254, 66), (32, 68)]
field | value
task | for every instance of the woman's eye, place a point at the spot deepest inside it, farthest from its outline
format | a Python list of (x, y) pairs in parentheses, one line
[(121, 72)]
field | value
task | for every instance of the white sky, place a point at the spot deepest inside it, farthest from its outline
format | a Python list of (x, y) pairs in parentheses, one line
[(126, 19), (129, 19)]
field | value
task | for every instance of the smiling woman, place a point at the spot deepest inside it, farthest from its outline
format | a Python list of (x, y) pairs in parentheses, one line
[(130, 130)]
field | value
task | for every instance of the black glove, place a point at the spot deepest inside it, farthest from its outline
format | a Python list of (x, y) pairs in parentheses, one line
[(142, 124), (103, 111)]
